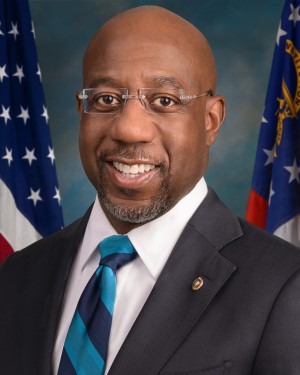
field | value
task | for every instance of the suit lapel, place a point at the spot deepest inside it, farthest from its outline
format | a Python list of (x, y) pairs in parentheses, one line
[(173, 308), (46, 292)]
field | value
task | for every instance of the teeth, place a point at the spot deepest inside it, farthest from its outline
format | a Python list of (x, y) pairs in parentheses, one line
[(131, 171), (134, 169), (126, 168)]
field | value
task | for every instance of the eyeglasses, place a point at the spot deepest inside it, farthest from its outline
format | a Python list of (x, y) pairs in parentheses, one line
[(154, 100)]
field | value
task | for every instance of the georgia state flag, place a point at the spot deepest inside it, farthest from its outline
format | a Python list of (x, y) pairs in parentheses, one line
[(274, 200)]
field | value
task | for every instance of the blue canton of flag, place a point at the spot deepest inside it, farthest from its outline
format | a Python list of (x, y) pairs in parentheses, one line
[(274, 201), (29, 194)]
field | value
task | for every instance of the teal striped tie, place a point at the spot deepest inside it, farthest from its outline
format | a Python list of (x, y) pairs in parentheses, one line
[(85, 348)]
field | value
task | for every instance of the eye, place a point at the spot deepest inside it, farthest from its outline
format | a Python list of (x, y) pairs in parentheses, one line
[(107, 99), (164, 101)]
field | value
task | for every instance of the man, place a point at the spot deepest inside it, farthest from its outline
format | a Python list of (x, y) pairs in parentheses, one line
[(208, 293)]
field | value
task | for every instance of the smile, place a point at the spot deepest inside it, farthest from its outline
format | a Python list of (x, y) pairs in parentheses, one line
[(132, 171)]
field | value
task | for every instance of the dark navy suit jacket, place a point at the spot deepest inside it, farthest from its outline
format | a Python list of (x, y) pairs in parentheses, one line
[(244, 320)]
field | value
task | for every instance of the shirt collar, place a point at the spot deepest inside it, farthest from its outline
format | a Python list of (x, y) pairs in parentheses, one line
[(153, 241), (98, 228)]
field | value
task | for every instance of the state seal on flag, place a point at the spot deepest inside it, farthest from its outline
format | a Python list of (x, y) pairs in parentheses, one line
[(288, 106)]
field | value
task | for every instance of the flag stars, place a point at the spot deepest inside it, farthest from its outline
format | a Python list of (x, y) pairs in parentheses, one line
[(39, 73), (8, 156), (270, 155), (272, 192), (57, 195), (24, 115), (3, 72), (294, 16), (19, 73), (45, 114), (24, 139), (5, 114), (35, 196), (294, 171), (14, 31), (29, 155), (280, 33), (51, 154), (32, 29)]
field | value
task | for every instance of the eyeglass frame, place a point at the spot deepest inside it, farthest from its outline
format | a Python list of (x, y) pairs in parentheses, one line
[(142, 98)]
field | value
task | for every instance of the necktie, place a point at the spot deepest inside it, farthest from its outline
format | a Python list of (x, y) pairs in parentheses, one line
[(86, 343)]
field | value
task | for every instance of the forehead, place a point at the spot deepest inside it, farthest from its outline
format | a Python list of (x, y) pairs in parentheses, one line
[(142, 61)]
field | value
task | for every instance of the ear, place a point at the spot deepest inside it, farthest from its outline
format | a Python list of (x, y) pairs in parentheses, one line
[(79, 102), (215, 115)]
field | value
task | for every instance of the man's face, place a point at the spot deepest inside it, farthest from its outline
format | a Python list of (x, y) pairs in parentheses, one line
[(143, 163)]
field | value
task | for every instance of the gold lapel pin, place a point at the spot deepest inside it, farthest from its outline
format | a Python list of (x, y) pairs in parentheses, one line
[(197, 283)]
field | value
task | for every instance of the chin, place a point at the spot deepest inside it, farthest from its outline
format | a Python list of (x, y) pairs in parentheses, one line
[(133, 212)]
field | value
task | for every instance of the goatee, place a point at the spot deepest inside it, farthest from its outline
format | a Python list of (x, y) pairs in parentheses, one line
[(143, 213)]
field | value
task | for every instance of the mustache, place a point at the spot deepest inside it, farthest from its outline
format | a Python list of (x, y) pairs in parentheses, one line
[(130, 152)]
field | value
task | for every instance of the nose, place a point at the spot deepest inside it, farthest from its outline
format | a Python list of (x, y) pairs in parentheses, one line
[(133, 124)]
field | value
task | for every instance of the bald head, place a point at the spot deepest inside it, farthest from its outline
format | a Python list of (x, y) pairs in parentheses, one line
[(141, 27)]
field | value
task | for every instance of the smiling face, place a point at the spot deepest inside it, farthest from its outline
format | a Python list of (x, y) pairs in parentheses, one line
[(141, 162)]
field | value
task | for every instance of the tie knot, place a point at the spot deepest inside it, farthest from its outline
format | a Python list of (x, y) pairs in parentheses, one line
[(115, 251)]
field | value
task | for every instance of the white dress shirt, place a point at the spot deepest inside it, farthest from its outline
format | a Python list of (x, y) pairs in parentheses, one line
[(153, 242)]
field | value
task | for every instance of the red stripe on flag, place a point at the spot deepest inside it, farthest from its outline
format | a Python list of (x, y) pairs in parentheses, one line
[(5, 248), (257, 209)]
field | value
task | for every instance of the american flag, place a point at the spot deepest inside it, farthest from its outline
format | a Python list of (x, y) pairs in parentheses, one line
[(30, 202), (274, 200)]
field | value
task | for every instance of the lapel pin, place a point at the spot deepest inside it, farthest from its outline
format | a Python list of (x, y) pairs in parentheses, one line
[(197, 283)]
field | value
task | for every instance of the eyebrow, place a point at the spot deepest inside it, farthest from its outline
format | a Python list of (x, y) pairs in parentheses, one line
[(104, 81), (161, 81), (155, 81)]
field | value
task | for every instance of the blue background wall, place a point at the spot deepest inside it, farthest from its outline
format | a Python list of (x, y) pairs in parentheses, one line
[(242, 35)]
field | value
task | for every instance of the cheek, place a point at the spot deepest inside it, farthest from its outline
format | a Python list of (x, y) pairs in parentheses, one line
[(89, 141), (188, 153)]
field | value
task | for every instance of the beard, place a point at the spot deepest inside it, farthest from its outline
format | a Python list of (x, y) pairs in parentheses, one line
[(144, 212)]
